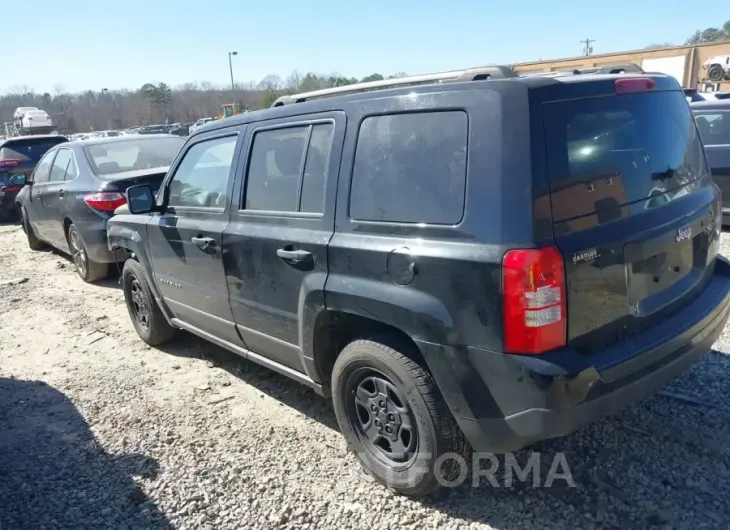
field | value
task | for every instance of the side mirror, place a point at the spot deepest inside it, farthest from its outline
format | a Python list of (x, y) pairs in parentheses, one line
[(140, 199), (19, 180)]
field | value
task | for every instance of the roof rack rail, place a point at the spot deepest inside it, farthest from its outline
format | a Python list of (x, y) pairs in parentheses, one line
[(470, 74), (620, 68)]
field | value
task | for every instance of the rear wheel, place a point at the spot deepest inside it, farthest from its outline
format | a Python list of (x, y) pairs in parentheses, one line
[(89, 270), (33, 242), (394, 418), (148, 320)]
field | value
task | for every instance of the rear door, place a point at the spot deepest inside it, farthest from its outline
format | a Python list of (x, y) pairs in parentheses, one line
[(185, 240), (634, 211), (276, 245), (714, 128)]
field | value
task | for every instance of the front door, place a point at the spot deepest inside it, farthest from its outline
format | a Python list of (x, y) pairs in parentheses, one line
[(33, 204), (185, 240), (53, 197), (275, 247)]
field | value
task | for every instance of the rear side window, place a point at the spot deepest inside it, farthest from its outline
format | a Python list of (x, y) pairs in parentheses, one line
[(410, 168), (609, 151), (201, 179), (60, 163), (29, 150), (288, 169), (714, 127), (43, 169)]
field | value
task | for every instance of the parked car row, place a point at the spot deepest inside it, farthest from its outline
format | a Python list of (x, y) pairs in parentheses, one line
[(76, 187), (454, 283)]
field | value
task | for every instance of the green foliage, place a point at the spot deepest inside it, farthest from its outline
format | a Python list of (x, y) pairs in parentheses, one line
[(372, 77), (710, 35)]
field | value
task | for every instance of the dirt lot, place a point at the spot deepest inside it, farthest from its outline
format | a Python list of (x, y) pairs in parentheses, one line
[(97, 430)]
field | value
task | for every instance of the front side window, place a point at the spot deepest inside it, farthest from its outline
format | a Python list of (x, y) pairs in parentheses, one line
[(201, 179), (43, 169), (288, 169), (60, 163), (410, 168), (714, 127)]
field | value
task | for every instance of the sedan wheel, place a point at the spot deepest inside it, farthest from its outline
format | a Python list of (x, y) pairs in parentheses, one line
[(78, 252), (89, 270)]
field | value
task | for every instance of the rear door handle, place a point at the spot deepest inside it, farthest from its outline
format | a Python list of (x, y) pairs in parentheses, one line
[(203, 243), (293, 256), (60, 193)]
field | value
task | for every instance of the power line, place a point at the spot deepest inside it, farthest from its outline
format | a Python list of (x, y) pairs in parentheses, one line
[(587, 48)]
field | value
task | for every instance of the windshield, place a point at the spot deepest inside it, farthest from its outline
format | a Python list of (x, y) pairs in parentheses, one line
[(30, 149), (131, 155)]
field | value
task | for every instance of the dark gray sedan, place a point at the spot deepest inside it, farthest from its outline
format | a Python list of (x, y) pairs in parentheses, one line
[(76, 187), (713, 123)]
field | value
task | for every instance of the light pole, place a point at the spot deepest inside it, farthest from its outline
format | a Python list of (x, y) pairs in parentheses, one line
[(230, 66)]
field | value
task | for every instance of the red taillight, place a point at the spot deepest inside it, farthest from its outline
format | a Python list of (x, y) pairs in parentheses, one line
[(633, 84), (106, 201), (535, 316), (7, 189), (9, 162)]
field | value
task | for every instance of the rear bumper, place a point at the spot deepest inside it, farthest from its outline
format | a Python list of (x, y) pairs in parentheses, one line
[(505, 402), (94, 236)]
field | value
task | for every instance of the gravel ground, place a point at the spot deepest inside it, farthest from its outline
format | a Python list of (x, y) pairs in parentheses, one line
[(97, 430)]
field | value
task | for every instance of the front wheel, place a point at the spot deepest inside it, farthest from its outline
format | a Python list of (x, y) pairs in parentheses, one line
[(33, 242), (393, 417), (148, 320), (89, 270)]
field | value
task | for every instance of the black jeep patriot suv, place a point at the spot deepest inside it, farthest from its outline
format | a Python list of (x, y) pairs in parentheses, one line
[(466, 260)]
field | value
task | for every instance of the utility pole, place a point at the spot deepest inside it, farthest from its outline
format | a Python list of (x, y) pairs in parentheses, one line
[(587, 48), (230, 66)]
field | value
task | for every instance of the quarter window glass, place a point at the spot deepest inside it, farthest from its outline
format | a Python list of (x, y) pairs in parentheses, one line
[(58, 170), (201, 179), (714, 128), (410, 168)]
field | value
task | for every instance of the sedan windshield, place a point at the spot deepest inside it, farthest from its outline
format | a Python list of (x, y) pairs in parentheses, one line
[(130, 155)]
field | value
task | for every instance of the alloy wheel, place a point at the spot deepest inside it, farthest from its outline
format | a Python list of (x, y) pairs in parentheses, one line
[(139, 304), (78, 252)]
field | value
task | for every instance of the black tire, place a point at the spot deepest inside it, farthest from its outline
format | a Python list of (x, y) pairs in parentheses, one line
[(148, 320), (89, 270), (715, 72), (362, 369), (33, 242)]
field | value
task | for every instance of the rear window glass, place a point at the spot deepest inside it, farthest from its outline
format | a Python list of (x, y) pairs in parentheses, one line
[(410, 168), (714, 127), (31, 149), (625, 148), (130, 155)]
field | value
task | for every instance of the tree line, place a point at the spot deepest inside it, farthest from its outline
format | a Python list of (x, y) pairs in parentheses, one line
[(155, 103), (703, 36)]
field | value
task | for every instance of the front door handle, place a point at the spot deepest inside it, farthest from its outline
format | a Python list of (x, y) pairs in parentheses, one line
[(203, 243), (60, 193), (293, 256)]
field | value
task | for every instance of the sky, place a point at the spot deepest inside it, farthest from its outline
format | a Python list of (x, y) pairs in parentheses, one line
[(93, 44)]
